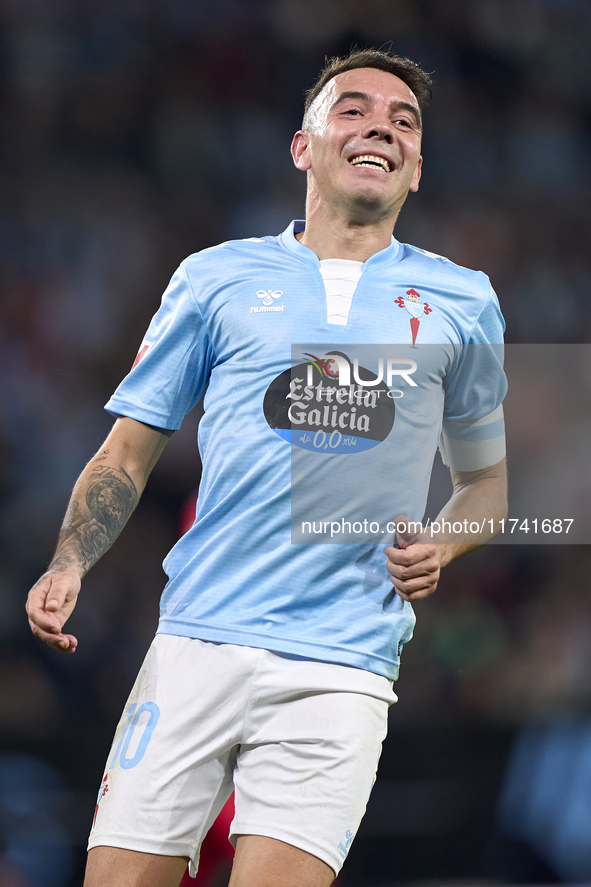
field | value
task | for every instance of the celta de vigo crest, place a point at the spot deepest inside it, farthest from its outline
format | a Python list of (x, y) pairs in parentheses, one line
[(416, 308)]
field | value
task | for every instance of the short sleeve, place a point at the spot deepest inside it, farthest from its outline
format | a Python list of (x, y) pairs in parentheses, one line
[(173, 363), (473, 432)]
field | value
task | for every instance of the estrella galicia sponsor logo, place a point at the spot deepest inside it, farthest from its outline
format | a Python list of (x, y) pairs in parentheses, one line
[(268, 297), (329, 404)]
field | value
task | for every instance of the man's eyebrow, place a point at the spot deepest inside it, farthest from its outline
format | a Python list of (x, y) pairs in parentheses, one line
[(364, 97), (406, 106), (352, 94)]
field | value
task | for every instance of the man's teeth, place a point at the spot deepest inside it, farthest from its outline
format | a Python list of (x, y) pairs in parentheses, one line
[(371, 161)]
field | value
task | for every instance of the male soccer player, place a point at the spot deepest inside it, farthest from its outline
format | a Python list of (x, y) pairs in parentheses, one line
[(272, 668)]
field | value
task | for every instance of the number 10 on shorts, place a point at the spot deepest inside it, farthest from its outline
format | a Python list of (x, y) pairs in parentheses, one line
[(131, 726)]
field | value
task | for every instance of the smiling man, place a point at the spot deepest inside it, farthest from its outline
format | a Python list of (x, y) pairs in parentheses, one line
[(272, 669), (361, 145)]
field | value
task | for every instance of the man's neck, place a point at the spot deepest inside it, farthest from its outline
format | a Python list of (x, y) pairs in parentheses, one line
[(334, 237)]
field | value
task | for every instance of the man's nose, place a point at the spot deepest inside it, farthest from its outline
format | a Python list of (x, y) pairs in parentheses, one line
[(379, 130)]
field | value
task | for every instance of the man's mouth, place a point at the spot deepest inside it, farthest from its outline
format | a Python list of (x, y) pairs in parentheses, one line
[(371, 161)]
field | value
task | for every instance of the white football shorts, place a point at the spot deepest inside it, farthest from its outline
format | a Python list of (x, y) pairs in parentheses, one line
[(298, 740)]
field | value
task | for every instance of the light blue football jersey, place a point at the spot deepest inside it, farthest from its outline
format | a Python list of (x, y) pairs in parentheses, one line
[(226, 326)]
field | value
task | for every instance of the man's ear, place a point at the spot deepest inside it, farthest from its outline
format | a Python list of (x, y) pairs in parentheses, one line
[(414, 185), (300, 150)]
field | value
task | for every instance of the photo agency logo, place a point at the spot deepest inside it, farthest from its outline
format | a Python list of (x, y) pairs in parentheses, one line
[(330, 403)]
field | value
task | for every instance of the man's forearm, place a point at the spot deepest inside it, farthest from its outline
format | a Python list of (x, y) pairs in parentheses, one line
[(103, 499), (479, 498), (101, 503)]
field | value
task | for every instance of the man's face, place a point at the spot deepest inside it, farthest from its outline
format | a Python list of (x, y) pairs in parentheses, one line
[(362, 145)]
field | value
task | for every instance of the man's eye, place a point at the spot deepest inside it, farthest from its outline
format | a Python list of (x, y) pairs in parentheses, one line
[(352, 111)]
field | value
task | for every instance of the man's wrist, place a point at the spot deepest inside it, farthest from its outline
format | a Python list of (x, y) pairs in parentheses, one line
[(65, 563)]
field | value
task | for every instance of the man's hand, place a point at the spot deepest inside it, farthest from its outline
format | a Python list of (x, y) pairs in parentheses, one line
[(479, 496), (50, 603), (414, 567)]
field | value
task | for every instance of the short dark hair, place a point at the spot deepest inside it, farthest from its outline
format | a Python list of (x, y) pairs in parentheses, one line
[(409, 72)]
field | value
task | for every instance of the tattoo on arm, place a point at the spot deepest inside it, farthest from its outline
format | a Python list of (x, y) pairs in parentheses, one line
[(87, 533)]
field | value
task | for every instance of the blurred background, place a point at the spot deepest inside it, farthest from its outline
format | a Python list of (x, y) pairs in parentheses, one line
[(135, 132)]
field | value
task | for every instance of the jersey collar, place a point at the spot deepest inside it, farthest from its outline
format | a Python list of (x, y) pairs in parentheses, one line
[(386, 256)]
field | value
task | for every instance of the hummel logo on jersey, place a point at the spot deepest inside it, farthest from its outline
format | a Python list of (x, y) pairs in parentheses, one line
[(267, 296)]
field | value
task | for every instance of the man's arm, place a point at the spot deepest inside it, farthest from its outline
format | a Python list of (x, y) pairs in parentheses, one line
[(478, 496), (105, 495)]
